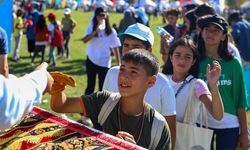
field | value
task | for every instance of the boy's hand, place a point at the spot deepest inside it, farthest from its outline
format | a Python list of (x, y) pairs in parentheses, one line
[(61, 81), (214, 74), (57, 88), (126, 136)]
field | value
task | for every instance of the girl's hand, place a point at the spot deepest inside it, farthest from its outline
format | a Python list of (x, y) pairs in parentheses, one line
[(243, 142), (214, 74), (126, 136), (164, 38)]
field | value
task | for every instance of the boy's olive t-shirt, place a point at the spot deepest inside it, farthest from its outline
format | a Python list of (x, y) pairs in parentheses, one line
[(231, 83), (93, 104)]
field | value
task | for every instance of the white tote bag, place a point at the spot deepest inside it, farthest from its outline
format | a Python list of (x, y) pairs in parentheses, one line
[(188, 135)]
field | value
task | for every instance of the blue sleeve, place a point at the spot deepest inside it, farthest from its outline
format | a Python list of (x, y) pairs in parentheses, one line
[(236, 33), (3, 42)]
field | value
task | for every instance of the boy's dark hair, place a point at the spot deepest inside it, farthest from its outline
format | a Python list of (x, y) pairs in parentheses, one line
[(186, 42), (144, 58), (204, 9), (145, 43)]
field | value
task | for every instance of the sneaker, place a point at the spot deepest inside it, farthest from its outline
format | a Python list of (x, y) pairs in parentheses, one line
[(15, 60), (53, 66)]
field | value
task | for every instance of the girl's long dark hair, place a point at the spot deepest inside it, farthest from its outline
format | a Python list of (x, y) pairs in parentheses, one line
[(108, 29), (223, 51), (41, 23), (192, 19), (187, 42)]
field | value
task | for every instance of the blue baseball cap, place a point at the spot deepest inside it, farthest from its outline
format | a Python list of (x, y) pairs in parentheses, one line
[(140, 32)]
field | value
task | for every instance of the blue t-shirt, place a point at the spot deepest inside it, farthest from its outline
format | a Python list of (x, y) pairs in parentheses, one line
[(241, 35), (3, 42)]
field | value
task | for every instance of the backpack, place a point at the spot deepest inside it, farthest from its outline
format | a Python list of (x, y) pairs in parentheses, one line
[(58, 37), (157, 126)]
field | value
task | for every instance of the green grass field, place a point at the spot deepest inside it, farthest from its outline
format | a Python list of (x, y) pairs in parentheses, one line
[(76, 65)]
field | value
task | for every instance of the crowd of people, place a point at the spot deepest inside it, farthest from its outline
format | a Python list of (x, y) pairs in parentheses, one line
[(40, 34), (204, 60)]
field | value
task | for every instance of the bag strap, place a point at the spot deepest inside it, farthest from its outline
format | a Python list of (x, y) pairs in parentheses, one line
[(107, 107), (182, 85), (188, 118), (203, 116), (192, 101), (156, 130)]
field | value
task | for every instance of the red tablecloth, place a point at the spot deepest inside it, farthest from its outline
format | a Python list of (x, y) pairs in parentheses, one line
[(43, 130)]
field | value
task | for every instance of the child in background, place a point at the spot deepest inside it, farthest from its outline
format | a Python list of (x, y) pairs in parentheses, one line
[(131, 118), (18, 32), (190, 24), (42, 36), (231, 131), (68, 25), (56, 39), (171, 18), (182, 69)]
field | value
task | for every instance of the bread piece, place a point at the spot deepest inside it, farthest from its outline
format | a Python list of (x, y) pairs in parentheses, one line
[(63, 78)]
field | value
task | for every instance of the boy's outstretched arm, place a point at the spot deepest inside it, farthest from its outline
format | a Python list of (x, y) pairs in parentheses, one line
[(18, 95), (61, 104)]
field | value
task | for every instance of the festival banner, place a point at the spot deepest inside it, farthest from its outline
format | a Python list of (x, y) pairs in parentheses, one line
[(6, 17)]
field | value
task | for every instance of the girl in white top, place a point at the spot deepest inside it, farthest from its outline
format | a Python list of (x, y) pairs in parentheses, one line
[(182, 68), (101, 38)]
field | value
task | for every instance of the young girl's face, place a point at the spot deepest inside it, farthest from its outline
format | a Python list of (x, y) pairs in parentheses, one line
[(212, 35), (182, 60)]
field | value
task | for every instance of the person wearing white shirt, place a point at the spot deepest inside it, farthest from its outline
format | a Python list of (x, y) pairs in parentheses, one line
[(101, 38), (19, 94)]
